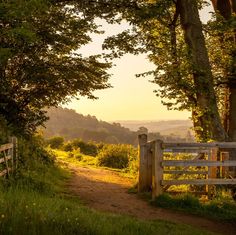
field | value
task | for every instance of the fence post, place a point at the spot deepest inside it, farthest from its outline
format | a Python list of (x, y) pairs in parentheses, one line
[(143, 164), (212, 171), (15, 151), (6, 163), (149, 165), (157, 169), (224, 170), (11, 153)]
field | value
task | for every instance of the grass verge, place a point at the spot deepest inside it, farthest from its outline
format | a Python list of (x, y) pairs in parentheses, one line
[(217, 209)]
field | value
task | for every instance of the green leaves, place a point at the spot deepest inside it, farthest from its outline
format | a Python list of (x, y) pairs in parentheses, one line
[(38, 64), (5, 54), (173, 39)]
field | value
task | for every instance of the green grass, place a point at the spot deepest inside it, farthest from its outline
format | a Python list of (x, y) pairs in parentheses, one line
[(220, 209), (78, 159), (36, 202), (33, 213), (86, 160)]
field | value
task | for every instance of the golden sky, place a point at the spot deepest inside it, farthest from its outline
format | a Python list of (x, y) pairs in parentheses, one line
[(130, 98)]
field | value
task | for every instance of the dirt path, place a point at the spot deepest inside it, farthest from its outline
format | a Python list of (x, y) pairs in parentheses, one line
[(105, 190)]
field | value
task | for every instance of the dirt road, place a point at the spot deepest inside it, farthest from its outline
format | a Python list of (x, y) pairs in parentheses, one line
[(106, 191)]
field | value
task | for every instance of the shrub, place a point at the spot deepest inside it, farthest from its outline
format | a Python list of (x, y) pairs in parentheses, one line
[(32, 150), (56, 142), (116, 156), (133, 161), (68, 147), (89, 148), (77, 154)]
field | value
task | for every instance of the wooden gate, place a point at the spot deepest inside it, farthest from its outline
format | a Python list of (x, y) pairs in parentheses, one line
[(152, 165), (8, 157)]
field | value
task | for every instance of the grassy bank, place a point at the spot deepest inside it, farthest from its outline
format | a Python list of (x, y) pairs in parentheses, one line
[(36, 202), (220, 209)]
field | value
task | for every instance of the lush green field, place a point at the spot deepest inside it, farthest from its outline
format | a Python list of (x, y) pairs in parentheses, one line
[(37, 202)]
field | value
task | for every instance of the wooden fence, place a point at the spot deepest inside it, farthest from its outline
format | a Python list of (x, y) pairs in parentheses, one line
[(8, 157), (213, 157)]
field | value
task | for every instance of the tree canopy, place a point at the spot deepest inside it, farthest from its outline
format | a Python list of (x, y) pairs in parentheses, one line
[(39, 66), (39, 39), (190, 62)]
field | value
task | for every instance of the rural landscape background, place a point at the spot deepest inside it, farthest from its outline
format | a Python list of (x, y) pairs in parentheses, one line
[(117, 117), (70, 124)]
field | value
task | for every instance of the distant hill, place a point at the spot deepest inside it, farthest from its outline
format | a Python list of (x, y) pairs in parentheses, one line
[(172, 127), (70, 124)]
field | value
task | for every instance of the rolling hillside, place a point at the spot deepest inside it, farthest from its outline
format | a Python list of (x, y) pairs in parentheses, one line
[(173, 127), (70, 124)]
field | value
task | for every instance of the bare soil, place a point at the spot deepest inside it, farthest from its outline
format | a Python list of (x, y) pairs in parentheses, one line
[(107, 191)]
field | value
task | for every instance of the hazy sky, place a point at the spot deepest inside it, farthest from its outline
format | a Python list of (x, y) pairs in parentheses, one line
[(130, 98)]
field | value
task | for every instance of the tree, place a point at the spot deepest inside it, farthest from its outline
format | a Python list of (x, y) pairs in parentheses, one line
[(38, 64), (203, 80), (183, 69), (157, 29), (226, 36), (142, 130), (223, 33), (171, 32)]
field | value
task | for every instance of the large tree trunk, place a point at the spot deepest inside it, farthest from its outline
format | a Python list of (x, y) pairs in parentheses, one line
[(226, 8), (232, 111), (206, 110)]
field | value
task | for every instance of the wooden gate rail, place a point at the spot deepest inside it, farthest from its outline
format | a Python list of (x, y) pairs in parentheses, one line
[(199, 182), (197, 163), (152, 165), (8, 156)]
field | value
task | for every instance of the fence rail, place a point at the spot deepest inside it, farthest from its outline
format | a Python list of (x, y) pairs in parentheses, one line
[(6, 147), (199, 182), (197, 163), (222, 145), (153, 165), (8, 157)]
